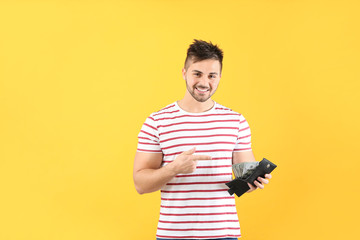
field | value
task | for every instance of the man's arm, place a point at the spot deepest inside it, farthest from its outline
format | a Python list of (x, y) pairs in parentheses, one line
[(149, 176), (245, 156), (248, 156)]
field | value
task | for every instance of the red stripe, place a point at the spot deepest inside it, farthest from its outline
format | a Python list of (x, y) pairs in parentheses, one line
[(146, 150), (148, 134), (243, 143), (244, 136), (218, 108), (237, 149), (145, 138), (150, 126), (149, 143), (243, 121), (198, 229), (189, 199), (189, 191), (152, 118), (204, 175), (220, 158), (240, 130), (219, 166), (216, 121), (191, 183), (201, 206), (194, 144), (173, 105), (196, 214), (205, 136), (197, 129), (218, 236), (198, 151), (212, 159), (164, 113), (184, 222), (206, 115)]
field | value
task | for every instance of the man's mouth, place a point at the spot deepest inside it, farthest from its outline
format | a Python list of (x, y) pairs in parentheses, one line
[(202, 90)]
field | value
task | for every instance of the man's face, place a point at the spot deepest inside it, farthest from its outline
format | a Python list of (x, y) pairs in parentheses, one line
[(202, 78)]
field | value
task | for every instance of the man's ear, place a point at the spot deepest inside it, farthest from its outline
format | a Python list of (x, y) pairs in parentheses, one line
[(183, 73)]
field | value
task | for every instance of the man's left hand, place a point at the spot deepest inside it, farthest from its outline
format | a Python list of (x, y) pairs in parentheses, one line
[(259, 184)]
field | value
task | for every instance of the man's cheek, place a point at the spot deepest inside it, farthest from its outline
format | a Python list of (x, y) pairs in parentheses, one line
[(214, 87)]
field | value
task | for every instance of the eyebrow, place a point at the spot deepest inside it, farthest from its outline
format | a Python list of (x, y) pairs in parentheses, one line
[(202, 72)]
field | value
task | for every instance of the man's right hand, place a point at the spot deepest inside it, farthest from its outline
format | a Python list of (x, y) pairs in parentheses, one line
[(186, 162)]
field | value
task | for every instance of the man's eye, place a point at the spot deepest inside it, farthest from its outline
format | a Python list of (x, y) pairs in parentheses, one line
[(212, 76), (197, 74)]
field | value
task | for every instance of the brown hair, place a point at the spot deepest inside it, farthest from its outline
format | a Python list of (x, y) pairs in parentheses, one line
[(200, 50)]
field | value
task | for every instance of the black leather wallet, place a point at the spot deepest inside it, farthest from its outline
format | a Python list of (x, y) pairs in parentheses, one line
[(239, 185)]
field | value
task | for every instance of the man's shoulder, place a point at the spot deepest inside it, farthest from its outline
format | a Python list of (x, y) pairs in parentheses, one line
[(221, 108), (165, 109)]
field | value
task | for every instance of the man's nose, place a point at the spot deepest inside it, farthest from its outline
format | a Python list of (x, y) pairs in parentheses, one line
[(204, 81)]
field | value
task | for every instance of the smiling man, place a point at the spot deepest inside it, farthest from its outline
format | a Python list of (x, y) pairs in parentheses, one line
[(187, 149)]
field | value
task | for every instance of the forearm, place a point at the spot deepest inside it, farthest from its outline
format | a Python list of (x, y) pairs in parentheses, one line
[(151, 180), (246, 156)]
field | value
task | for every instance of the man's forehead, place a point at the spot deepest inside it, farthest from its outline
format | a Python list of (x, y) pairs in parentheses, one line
[(208, 65)]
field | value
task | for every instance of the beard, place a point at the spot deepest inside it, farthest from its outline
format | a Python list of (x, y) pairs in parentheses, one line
[(200, 97)]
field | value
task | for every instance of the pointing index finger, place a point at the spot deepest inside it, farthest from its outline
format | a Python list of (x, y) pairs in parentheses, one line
[(200, 157)]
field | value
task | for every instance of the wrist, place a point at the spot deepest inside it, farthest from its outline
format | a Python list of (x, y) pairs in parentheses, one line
[(171, 168)]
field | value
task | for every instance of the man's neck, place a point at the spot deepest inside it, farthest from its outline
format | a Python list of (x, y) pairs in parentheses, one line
[(193, 106)]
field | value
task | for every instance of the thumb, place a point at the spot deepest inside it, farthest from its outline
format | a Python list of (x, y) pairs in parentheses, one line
[(190, 151)]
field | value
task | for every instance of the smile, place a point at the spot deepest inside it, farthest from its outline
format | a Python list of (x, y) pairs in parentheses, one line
[(203, 91)]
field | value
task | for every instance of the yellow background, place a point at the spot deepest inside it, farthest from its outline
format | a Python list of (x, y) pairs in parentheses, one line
[(78, 79)]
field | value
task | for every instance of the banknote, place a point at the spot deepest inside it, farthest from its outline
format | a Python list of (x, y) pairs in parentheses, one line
[(244, 169)]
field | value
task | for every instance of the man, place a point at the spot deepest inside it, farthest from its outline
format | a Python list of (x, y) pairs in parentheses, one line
[(187, 149)]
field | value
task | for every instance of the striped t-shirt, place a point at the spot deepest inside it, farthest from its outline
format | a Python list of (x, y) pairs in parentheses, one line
[(197, 205)]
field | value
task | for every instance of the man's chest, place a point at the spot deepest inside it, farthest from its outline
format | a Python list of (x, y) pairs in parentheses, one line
[(206, 134)]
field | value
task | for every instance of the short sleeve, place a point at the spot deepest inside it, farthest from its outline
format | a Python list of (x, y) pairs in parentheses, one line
[(243, 142), (148, 137)]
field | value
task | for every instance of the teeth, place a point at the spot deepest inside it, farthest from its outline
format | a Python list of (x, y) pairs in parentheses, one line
[(205, 90)]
